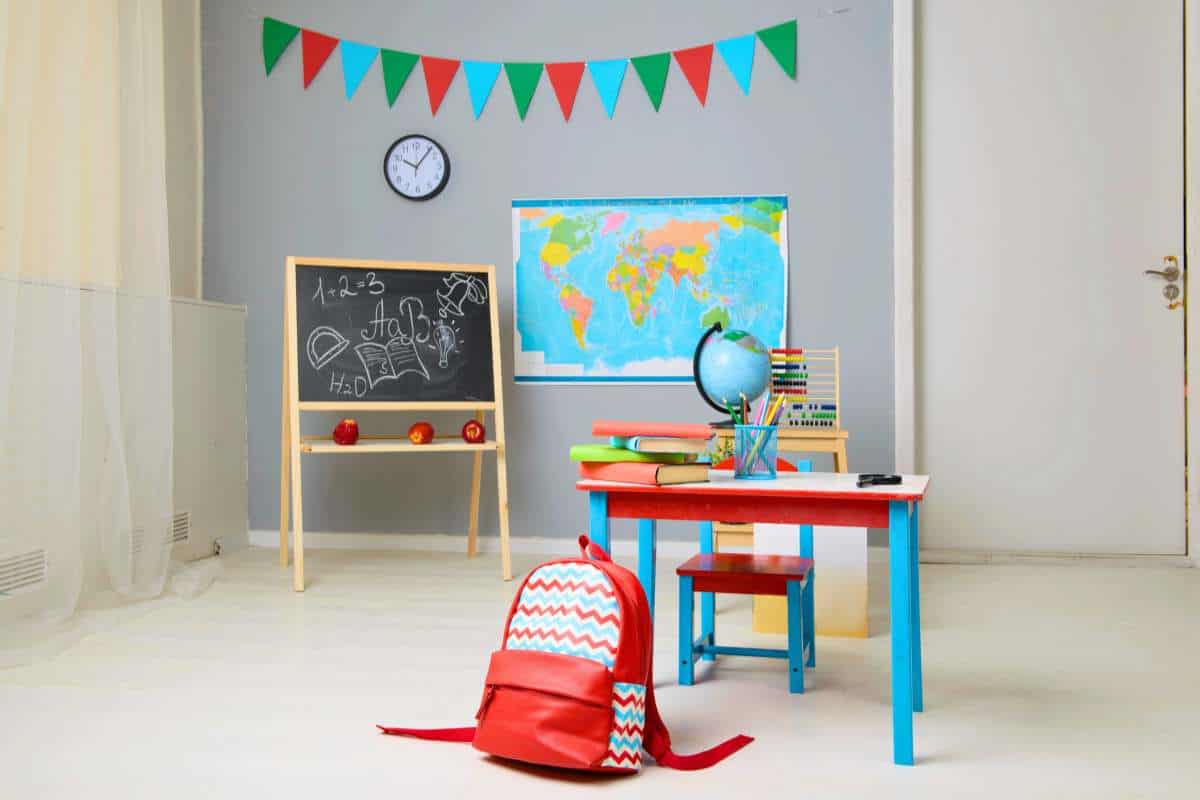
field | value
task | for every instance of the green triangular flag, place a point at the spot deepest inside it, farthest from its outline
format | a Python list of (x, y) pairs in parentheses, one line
[(653, 72), (397, 66), (781, 41), (275, 39), (523, 79)]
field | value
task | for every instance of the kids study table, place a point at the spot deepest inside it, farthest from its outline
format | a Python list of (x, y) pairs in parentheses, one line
[(799, 498)]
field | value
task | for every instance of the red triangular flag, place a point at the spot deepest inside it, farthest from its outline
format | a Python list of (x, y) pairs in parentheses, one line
[(439, 72), (696, 63), (565, 77), (316, 48)]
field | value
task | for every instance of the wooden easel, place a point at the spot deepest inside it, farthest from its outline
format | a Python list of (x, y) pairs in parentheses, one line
[(293, 444)]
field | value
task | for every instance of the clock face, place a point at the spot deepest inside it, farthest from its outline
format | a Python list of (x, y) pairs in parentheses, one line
[(416, 167)]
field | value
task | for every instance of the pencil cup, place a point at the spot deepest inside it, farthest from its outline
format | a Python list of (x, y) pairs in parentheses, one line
[(754, 449)]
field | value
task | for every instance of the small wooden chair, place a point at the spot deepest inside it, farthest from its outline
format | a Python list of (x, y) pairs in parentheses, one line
[(743, 573)]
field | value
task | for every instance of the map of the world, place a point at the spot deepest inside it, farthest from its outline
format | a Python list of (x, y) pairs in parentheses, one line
[(622, 289)]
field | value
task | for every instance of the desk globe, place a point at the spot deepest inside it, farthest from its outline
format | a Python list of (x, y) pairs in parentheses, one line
[(728, 365)]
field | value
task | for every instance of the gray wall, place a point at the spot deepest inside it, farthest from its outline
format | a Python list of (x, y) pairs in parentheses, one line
[(295, 172)]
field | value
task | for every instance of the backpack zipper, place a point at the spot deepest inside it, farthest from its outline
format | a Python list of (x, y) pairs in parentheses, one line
[(487, 701), (490, 695)]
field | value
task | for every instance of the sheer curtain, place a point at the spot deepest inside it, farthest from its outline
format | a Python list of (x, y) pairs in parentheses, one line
[(85, 333)]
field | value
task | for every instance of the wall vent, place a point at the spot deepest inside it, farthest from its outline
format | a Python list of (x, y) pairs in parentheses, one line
[(23, 571), (181, 527)]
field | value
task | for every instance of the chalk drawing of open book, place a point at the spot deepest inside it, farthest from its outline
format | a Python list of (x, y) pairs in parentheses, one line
[(387, 362)]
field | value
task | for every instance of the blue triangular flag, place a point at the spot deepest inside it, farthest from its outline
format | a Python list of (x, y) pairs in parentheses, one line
[(607, 75), (481, 77), (356, 60), (738, 55)]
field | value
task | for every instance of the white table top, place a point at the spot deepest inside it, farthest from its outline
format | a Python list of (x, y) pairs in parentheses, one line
[(806, 484)]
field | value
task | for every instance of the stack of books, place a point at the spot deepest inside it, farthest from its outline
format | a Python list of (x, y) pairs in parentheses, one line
[(656, 453)]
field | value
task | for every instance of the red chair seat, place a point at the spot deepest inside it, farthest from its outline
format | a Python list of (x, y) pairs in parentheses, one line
[(744, 573)]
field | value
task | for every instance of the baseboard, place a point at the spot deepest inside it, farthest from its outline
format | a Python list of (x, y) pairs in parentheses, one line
[(1052, 559), (457, 543), (674, 548)]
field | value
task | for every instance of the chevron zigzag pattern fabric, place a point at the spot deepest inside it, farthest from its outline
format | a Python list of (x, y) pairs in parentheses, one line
[(569, 609), (629, 721)]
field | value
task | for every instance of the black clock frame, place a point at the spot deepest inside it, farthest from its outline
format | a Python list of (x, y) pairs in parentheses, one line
[(445, 160)]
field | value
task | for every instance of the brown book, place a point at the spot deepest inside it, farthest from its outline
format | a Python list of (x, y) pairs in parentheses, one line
[(653, 474)]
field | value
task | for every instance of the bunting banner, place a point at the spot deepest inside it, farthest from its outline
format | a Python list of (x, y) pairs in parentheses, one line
[(524, 77)]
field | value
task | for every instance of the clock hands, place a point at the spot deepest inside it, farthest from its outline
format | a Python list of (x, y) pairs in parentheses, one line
[(427, 152)]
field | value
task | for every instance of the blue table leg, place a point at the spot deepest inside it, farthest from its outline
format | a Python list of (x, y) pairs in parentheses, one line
[(647, 553), (807, 602), (708, 601), (598, 519), (687, 670), (914, 547), (809, 605), (796, 637), (899, 547)]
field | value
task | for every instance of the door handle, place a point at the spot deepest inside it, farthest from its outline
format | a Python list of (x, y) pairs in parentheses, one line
[(1170, 272)]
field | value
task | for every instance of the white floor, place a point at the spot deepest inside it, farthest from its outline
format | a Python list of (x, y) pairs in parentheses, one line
[(1058, 682)]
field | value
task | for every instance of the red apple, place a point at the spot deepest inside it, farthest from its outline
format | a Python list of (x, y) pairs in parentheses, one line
[(473, 432), (420, 433), (346, 432)]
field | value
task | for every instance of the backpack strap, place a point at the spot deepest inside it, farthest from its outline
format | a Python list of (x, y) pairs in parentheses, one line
[(589, 549), (432, 734), (657, 742)]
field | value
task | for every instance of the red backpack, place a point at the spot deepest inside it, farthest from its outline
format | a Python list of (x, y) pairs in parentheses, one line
[(572, 684)]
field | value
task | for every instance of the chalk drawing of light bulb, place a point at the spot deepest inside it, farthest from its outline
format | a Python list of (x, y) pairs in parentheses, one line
[(446, 340)]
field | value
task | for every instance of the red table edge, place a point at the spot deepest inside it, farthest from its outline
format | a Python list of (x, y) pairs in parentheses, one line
[(706, 490)]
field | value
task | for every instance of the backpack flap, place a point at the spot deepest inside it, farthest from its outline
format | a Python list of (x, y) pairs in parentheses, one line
[(545, 708)]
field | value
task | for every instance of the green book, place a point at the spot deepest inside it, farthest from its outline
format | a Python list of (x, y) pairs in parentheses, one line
[(602, 452)]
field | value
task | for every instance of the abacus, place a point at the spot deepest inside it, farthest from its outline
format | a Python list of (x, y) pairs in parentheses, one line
[(808, 379)]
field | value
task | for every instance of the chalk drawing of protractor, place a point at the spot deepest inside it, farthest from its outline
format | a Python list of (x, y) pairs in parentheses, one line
[(460, 288), (324, 345), (388, 362)]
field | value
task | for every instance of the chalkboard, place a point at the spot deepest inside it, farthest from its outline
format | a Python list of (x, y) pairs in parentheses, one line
[(393, 335)]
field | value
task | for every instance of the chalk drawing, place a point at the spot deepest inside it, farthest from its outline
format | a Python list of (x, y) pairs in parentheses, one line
[(399, 355), (324, 345), (447, 342), (460, 288)]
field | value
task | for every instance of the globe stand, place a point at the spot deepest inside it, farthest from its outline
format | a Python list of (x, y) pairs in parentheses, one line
[(723, 423)]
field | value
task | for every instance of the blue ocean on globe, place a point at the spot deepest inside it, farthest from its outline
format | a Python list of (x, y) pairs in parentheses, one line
[(733, 364)]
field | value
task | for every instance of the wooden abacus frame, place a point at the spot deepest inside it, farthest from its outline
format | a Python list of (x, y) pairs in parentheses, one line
[(293, 444)]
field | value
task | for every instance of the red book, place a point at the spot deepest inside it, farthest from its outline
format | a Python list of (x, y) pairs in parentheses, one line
[(638, 472), (604, 427)]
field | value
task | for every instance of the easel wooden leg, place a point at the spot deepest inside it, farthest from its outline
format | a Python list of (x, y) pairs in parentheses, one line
[(502, 489), (839, 457), (476, 474), (284, 454), (291, 391), (298, 524)]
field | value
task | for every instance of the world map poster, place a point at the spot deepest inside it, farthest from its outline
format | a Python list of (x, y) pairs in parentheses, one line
[(620, 290)]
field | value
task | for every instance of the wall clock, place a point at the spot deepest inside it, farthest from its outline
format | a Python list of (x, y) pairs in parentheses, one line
[(416, 167)]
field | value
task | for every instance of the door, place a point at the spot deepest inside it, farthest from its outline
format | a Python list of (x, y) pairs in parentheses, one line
[(1050, 367)]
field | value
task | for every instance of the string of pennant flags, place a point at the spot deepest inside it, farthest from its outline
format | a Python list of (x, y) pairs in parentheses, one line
[(607, 76)]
